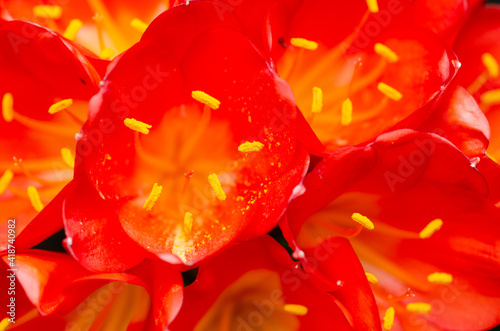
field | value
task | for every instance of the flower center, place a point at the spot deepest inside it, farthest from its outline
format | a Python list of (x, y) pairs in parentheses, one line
[(254, 301), (181, 179)]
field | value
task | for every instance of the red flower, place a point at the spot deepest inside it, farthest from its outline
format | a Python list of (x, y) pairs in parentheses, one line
[(265, 289), (356, 85), (363, 70), (54, 291), (227, 171), (426, 211), (39, 69)]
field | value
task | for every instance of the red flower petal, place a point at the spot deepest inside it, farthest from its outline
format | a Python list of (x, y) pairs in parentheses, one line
[(352, 290), (261, 304), (57, 61), (491, 172), (95, 237), (459, 119)]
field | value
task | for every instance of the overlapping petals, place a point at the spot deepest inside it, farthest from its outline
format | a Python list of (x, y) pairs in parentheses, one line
[(402, 182), (38, 69), (478, 41), (59, 290), (265, 289)]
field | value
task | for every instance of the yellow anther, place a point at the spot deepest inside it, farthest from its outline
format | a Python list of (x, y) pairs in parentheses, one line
[(317, 103), (35, 198), (304, 43), (5, 180), (372, 5), (206, 99), (491, 97), (153, 197), (386, 52), (4, 324), (47, 11), (254, 146), (67, 157), (389, 91), (418, 307), (346, 112), (371, 278), (440, 278), (216, 187), (389, 319), (137, 125), (61, 105), (138, 25), (188, 222), (491, 64), (8, 107), (363, 220), (298, 310), (430, 228), (106, 53), (74, 26)]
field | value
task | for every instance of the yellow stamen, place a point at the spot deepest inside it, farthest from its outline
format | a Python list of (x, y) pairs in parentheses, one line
[(138, 25), (106, 53), (491, 97), (386, 52), (254, 146), (153, 197), (188, 222), (363, 220), (46, 11), (372, 5), (216, 187), (491, 64), (98, 20), (346, 112), (418, 307), (304, 43), (440, 278), (61, 105), (5, 180), (35, 198), (137, 125), (296, 309), (389, 91), (317, 103), (67, 157), (4, 324), (371, 278), (206, 99), (74, 26), (431, 228), (8, 107), (389, 318)]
